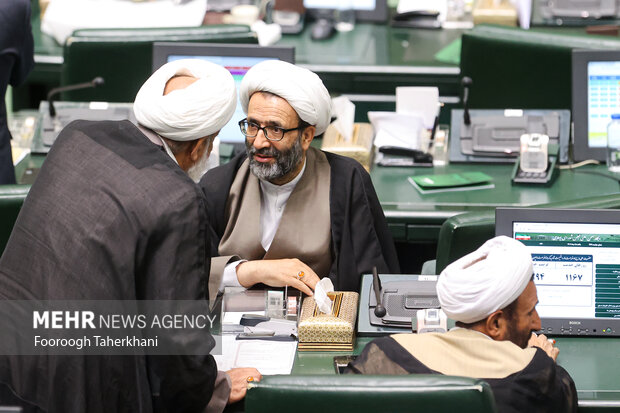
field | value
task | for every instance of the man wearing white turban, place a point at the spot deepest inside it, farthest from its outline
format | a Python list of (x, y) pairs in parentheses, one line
[(492, 297), (285, 212), (113, 215)]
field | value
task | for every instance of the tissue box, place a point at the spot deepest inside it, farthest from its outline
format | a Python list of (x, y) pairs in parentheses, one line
[(359, 148), (495, 12), (322, 332)]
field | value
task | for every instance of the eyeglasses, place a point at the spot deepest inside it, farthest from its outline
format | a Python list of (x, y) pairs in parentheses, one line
[(272, 133)]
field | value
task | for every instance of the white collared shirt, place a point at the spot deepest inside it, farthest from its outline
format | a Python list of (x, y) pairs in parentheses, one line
[(273, 201)]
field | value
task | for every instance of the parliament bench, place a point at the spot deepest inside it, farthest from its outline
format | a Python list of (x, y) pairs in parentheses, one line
[(368, 394), (11, 200), (123, 57), (523, 69), (464, 233)]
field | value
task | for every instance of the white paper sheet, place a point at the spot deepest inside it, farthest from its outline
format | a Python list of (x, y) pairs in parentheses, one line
[(268, 357), (395, 129), (420, 101), (62, 17), (413, 5)]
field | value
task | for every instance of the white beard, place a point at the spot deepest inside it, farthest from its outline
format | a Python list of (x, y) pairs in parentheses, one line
[(197, 170)]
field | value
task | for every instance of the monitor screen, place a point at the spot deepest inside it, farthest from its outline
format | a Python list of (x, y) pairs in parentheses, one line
[(596, 96), (576, 263), (238, 59)]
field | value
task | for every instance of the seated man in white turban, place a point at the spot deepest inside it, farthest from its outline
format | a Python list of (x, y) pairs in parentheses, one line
[(491, 295), (114, 215), (285, 212)]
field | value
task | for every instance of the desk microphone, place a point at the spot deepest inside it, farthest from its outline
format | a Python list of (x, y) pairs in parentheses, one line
[(98, 81), (376, 285), (466, 83)]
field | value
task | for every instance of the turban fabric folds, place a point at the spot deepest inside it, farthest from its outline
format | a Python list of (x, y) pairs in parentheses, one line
[(489, 279), (187, 114), (300, 87)]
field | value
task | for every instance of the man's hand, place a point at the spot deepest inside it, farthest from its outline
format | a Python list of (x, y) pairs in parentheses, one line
[(239, 382), (277, 273), (543, 342)]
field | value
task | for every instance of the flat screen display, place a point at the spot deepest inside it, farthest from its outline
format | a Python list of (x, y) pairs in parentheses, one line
[(237, 59), (596, 96), (603, 100), (576, 265)]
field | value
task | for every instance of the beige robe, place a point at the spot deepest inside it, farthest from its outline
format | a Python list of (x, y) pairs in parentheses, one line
[(304, 231)]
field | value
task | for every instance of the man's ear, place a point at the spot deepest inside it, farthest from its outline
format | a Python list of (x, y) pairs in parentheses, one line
[(307, 136), (195, 148), (497, 325)]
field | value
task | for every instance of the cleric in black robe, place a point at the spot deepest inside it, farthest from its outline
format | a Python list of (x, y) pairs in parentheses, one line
[(491, 295), (16, 61), (292, 211), (114, 215)]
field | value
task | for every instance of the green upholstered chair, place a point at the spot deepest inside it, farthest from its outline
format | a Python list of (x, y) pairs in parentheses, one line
[(464, 233), (368, 394), (522, 69), (11, 200), (123, 57)]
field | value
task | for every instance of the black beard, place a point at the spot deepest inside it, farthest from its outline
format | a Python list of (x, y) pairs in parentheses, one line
[(285, 161)]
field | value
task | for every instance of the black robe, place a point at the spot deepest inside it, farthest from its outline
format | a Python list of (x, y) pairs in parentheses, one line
[(360, 238), (109, 217), (16, 61), (541, 386)]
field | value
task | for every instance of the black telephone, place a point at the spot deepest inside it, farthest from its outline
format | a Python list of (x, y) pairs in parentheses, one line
[(396, 156), (419, 19), (396, 303)]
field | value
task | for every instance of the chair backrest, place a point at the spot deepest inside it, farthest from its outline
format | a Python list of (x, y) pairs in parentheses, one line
[(522, 69), (123, 57), (356, 393), (11, 200), (464, 233)]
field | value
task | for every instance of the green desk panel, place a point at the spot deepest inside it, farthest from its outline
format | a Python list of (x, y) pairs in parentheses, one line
[(403, 203), (374, 59), (371, 59), (593, 363)]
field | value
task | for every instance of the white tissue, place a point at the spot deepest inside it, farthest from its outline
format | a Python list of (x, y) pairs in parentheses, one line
[(344, 110), (320, 295)]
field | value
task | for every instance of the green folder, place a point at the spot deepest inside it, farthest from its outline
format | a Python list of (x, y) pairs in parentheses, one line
[(451, 182)]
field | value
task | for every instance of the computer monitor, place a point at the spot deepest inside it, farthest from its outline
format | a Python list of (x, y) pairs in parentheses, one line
[(365, 10), (596, 96), (576, 257), (238, 59)]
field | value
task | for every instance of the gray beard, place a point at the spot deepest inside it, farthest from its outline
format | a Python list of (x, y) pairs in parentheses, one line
[(285, 161), (197, 170)]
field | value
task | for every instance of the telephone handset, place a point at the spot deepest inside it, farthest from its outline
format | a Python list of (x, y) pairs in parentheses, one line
[(534, 165), (397, 302)]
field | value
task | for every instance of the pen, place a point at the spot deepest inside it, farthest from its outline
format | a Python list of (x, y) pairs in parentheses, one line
[(433, 132)]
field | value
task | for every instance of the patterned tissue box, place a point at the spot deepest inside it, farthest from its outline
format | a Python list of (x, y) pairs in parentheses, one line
[(322, 332)]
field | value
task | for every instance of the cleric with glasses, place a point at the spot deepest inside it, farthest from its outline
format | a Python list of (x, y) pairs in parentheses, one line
[(285, 212)]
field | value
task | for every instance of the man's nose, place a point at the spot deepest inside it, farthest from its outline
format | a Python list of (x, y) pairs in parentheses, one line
[(536, 324), (260, 140)]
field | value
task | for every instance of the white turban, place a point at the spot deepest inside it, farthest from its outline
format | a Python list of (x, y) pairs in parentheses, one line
[(300, 87), (489, 279), (199, 110)]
